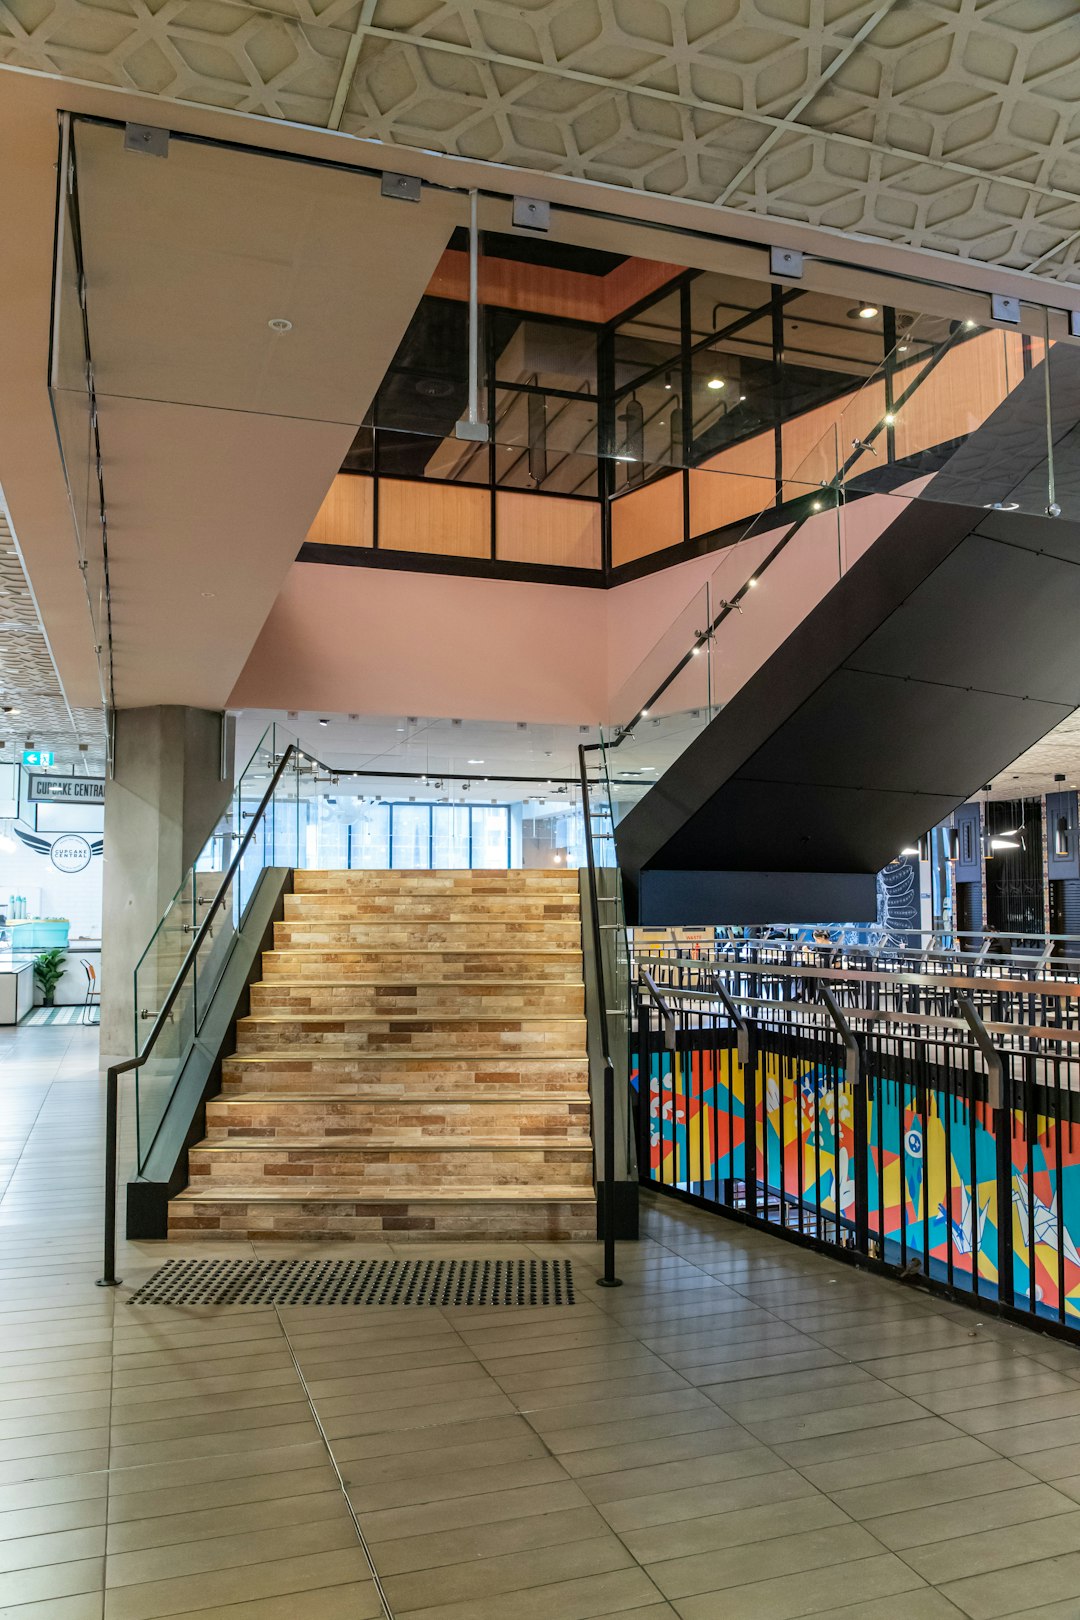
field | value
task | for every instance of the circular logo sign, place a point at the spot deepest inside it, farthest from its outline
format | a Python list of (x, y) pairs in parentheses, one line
[(70, 853)]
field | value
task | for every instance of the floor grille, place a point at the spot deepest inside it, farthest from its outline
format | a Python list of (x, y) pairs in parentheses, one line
[(359, 1282)]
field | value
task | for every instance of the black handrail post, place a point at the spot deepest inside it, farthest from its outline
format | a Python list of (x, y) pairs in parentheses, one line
[(609, 1279), (109, 1279), (607, 1199)]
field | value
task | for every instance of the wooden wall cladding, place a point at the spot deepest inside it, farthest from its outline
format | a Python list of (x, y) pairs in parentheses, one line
[(451, 520), (734, 485), (545, 529), (647, 519), (959, 394), (538, 289), (345, 517)]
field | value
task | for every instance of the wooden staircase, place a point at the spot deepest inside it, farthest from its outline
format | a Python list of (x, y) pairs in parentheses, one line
[(413, 1067)]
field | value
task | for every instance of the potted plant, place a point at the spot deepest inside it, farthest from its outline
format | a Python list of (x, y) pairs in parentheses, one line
[(48, 971)]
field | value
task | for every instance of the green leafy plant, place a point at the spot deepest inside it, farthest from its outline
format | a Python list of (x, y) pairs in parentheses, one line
[(48, 970)]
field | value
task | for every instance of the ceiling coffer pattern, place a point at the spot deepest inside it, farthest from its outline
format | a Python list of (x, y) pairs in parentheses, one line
[(945, 124), (28, 678)]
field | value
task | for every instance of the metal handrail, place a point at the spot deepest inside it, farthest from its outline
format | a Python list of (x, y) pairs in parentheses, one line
[(109, 1279), (609, 1279), (664, 1010)]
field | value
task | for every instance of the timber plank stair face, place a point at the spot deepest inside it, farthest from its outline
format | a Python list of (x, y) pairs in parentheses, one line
[(414, 1063)]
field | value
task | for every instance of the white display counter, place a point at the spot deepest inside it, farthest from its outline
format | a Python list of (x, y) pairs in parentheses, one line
[(16, 988)]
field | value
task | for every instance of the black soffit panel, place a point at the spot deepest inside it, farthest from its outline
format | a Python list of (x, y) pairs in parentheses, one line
[(943, 654)]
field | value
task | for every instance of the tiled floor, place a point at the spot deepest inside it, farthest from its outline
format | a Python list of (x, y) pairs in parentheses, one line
[(743, 1432)]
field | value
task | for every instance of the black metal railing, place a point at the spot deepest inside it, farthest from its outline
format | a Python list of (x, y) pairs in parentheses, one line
[(929, 1130)]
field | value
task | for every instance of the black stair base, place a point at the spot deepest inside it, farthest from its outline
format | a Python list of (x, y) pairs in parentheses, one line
[(699, 899)]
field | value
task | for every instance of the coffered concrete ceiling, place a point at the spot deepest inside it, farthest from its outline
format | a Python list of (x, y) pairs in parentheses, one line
[(949, 125)]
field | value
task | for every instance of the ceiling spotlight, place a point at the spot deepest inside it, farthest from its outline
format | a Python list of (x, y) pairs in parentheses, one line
[(279, 324), (715, 383), (667, 384), (863, 312), (324, 722)]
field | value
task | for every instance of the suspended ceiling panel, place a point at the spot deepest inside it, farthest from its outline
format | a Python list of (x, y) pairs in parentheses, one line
[(221, 436), (945, 124)]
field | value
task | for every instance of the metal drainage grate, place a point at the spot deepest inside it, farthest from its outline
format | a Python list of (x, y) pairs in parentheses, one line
[(359, 1282)]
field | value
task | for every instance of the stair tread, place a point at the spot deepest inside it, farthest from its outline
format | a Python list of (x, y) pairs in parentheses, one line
[(414, 1097), (411, 1018), (387, 1195), (305, 1054), (429, 950), (425, 1144), (415, 984)]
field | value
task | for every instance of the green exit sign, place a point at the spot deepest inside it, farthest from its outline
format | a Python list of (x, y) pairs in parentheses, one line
[(34, 759)]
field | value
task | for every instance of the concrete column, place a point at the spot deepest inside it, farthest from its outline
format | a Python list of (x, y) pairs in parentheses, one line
[(172, 780)]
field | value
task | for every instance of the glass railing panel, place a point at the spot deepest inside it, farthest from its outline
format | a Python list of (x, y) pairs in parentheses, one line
[(154, 978)]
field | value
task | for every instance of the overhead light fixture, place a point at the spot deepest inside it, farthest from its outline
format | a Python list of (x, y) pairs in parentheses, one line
[(909, 849), (715, 383), (279, 324), (863, 312), (969, 325), (475, 762), (324, 722), (667, 383)]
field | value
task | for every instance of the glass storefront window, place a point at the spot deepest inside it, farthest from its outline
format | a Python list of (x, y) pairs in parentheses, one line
[(491, 836), (410, 836), (450, 835)]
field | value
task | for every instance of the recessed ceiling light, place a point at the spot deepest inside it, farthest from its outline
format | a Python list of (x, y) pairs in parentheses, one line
[(279, 324), (715, 383), (863, 312), (324, 722), (475, 762)]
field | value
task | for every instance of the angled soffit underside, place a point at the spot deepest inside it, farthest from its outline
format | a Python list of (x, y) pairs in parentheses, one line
[(34, 707), (942, 124)]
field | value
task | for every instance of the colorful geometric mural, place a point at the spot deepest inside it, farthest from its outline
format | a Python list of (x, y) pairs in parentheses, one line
[(931, 1169)]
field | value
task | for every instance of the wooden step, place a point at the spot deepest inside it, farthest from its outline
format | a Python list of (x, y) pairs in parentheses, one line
[(435, 908), (477, 880), (340, 1165), (392, 934), (562, 1037), (516, 1215), (441, 999), (376, 1116), (344, 966), (403, 1073)]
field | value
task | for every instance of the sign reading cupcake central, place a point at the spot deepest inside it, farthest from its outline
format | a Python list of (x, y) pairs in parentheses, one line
[(66, 790)]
